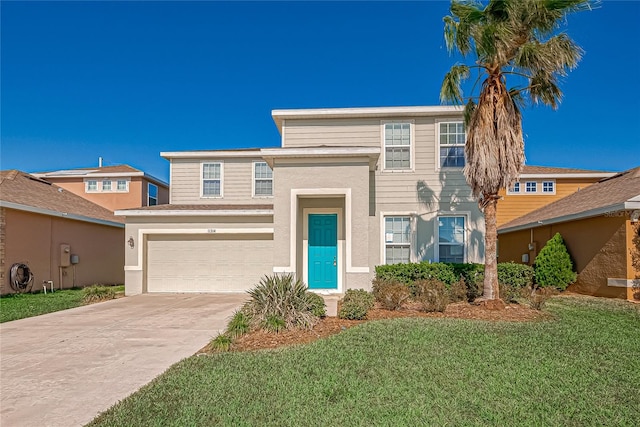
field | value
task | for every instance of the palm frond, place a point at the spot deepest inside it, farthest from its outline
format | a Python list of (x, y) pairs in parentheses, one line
[(544, 89), (451, 90)]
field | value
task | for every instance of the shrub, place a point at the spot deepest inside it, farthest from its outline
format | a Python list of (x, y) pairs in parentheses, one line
[(239, 324), (515, 275), (316, 302), (391, 294), (537, 297), (432, 294), (473, 275), (553, 266), (355, 304), (97, 293), (510, 293), (458, 291), (280, 299), (409, 273)]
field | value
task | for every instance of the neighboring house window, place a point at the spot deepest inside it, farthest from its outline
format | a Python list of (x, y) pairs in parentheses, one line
[(397, 239), (548, 187), (122, 185), (451, 239), (397, 145), (212, 179), (452, 139), (262, 179), (92, 185), (152, 195), (516, 188), (531, 187), (106, 185)]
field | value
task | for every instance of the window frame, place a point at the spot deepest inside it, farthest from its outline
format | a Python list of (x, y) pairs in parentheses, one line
[(383, 231), (515, 185), (383, 126), (221, 179), (87, 186), (439, 166), (126, 186), (149, 186), (254, 180), (553, 187), (107, 190), (465, 216), (535, 187)]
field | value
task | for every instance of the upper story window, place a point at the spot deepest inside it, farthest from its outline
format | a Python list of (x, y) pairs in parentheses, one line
[(91, 185), (106, 185), (397, 146), (121, 185), (531, 186), (451, 239), (548, 187), (212, 179), (515, 189), (452, 138), (152, 194), (262, 180), (397, 239)]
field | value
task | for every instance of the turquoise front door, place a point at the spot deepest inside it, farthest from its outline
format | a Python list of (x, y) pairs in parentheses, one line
[(323, 251)]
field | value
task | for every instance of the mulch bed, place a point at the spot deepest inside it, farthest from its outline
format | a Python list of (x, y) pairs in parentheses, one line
[(259, 340)]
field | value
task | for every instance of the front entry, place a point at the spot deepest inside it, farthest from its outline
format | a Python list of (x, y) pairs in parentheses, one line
[(323, 251)]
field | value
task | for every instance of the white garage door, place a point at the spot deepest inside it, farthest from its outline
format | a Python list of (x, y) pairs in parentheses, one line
[(220, 263)]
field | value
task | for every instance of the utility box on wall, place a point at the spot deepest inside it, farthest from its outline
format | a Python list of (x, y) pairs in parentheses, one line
[(65, 255)]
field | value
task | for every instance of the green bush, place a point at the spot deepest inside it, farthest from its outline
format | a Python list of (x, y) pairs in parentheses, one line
[(473, 275), (355, 304), (239, 324), (390, 293), (432, 294), (97, 293), (515, 275), (318, 307), (280, 299), (409, 273), (220, 343), (553, 266)]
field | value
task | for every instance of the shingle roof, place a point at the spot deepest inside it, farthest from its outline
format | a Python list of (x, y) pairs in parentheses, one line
[(20, 188), (200, 208), (607, 192), (103, 169), (556, 171)]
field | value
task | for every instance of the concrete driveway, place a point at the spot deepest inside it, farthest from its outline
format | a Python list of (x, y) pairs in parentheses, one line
[(64, 368)]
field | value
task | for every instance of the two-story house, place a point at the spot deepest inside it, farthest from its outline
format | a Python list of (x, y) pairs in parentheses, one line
[(346, 190), (112, 187)]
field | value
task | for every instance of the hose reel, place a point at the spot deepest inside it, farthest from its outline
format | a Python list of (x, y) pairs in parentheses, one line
[(21, 277)]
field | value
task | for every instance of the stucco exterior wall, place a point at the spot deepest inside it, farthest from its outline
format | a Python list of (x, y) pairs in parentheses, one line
[(598, 247), (35, 240)]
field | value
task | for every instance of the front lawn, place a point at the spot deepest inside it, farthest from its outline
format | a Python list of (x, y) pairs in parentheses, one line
[(583, 368), (19, 306)]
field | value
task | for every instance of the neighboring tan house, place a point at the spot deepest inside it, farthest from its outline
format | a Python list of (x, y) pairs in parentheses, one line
[(112, 187), (539, 185), (597, 224), (348, 189), (59, 236)]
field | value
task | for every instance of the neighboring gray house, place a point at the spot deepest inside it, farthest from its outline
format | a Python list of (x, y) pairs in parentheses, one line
[(349, 189)]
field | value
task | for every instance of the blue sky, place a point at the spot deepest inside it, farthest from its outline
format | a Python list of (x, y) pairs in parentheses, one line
[(127, 80)]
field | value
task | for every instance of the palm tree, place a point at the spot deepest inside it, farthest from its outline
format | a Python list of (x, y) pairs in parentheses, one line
[(519, 39)]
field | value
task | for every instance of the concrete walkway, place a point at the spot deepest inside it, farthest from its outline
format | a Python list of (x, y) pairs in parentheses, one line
[(64, 368)]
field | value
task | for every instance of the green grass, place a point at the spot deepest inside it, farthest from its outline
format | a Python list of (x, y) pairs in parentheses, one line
[(580, 369), (20, 306)]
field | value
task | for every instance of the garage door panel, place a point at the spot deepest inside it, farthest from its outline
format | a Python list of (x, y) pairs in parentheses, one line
[(207, 264)]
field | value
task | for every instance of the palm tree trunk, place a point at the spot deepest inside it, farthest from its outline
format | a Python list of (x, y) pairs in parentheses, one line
[(491, 290)]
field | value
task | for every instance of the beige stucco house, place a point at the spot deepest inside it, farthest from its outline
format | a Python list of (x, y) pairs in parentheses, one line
[(63, 239), (112, 187), (598, 225), (347, 189)]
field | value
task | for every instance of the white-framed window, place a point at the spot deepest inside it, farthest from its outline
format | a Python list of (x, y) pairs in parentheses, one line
[(451, 239), (212, 179), (398, 143), (91, 185), (515, 188), (531, 187), (262, 180), (106, 185), (397, 239), (548, 187), (121, 185), (451, 138), (152, 194)]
